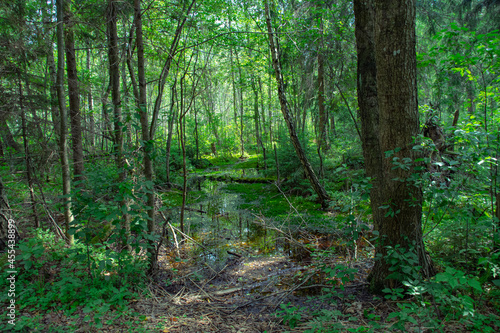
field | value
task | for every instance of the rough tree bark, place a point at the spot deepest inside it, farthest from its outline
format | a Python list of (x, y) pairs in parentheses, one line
[(114, 72), (63, 122), (322, 115), (310, 174), (397, 200), (146, 141), (74, 94)]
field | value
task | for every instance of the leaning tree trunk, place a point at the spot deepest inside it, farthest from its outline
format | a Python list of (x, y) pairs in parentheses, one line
[(310, 174), (401, 197)]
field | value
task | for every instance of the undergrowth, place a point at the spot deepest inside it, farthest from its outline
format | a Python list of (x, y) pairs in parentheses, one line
[(87, 286)]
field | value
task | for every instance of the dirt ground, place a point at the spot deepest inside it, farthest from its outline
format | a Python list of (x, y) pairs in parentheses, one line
[(241, 293)]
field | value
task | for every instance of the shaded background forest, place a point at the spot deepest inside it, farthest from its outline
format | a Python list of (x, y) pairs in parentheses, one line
[(144, 110)]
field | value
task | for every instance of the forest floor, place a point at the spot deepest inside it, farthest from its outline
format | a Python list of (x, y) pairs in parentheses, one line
[(245, 294)]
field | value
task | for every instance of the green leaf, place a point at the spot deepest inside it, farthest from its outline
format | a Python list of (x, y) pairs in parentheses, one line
[(475, 284)]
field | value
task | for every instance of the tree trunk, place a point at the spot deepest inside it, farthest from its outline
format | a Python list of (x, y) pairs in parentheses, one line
[(27, 156), (399, 223), (367, 100), (166, 70), (53, 90), (74, 95), (171, 121), (310, 174), (257, 120), (63, 121), (322, 121), (114, 72), (182, 140), (148, 146), (90, 102)]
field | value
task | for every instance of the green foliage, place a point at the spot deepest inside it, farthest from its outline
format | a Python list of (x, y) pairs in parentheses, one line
[(98, 207), (53, 277), (291, 314)]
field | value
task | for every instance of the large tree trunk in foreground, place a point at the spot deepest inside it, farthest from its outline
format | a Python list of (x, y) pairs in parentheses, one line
[(367, 100), (310, 174), (399, 221)]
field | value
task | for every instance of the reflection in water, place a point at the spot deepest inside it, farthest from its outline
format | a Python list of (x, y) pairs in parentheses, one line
[(227, 231)]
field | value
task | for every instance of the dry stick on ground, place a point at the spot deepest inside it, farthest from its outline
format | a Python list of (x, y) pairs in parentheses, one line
[(292, 290), (216, 273), (203, 291), (183, 234)]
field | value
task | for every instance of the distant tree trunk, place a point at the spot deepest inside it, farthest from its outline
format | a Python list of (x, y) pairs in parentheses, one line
[(322, 120), (399, 224), (74, 95), (242, 128), (166, 70), (63, 141), (310, 174), (171, 121), (90, 102), (263, 122), (114, 72), (143, 112), (233, 81), (54, 111), (258, 137), (182, 140), (105, 127), (27, 157), (196, 136)]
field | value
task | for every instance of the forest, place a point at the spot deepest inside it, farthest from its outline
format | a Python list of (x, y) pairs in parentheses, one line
[(249, 166)]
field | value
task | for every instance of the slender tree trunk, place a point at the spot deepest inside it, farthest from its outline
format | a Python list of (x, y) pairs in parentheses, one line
[(171, 121), (233, 81), (90, 102), (148, 146), (262, 123), (196, 135), (107, 133), (74, 95), (114, 72), (63, 141), (54, 111), (242, 143), (166, 69), (310, 174), (322, 120), (27, 157), (182, 140)]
